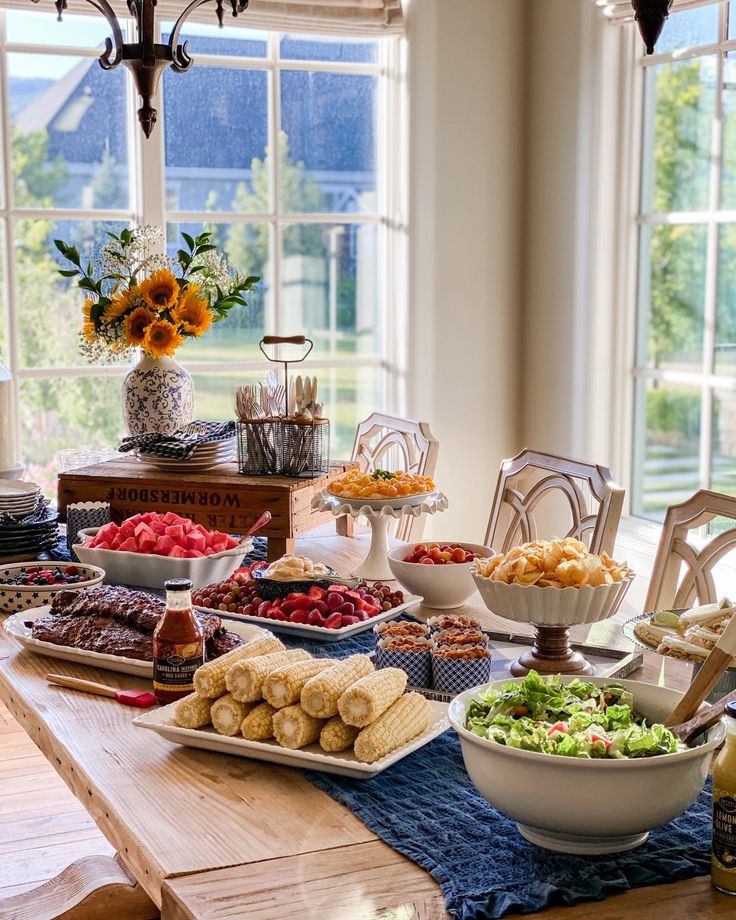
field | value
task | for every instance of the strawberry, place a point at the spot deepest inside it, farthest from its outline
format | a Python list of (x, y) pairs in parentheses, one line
[(334, 621), (276, 614), (315, 618), (334, 599), (263, 609), (348, 608), (298, 616), (349, 621)]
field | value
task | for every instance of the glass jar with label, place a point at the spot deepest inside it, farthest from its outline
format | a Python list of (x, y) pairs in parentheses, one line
[(178, 644), (723, 851)]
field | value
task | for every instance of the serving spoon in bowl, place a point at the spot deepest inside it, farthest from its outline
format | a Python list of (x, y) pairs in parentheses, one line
[(711, 671)]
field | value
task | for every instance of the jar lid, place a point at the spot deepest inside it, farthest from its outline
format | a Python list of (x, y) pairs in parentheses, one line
[(178, 584), (731, 710)]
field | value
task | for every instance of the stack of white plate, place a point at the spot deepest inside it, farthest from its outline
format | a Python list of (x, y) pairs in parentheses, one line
[(17, 497), (205, 457)]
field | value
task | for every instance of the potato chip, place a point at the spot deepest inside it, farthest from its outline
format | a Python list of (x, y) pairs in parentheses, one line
[(556, 563)]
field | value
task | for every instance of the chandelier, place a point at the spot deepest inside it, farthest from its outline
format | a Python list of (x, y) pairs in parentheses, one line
[(650, 16), (145, 58)]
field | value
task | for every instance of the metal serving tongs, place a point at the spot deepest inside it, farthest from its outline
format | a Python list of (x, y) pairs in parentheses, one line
[(683, 720)]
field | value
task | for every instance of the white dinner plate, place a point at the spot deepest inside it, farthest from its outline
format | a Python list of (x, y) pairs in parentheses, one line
[(17, 488), (320, 632), (313, 757), (16, 627)]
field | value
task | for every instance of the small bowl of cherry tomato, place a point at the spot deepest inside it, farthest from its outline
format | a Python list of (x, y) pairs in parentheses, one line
[(32, 584), (439, 571)]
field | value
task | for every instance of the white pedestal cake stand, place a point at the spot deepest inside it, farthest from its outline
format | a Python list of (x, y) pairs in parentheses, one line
[(375, 566)]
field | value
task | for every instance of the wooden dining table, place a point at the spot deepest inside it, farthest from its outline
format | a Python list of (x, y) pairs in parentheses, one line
[(205, 836)]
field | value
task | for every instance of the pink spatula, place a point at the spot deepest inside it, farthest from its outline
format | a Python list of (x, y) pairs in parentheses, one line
[(140, 698)]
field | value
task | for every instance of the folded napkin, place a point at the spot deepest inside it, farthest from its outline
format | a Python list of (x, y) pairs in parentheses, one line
[(182, 443)]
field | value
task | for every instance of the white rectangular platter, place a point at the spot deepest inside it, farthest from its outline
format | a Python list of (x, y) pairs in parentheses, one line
[(319, 632), (310, 758), (16, 627)]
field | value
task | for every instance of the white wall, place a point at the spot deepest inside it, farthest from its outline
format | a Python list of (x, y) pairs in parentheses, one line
[(467, 90)]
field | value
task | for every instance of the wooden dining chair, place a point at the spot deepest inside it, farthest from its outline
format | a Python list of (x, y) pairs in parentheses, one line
[(683, 572), (392, 442), (524, 481)]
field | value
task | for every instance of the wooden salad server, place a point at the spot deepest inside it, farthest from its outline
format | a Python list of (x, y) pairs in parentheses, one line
[(140, 698), (687, 731), (707, 677)]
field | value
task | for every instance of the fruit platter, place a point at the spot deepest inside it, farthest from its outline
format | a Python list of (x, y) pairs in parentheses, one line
[(314, 612), (146, 549)]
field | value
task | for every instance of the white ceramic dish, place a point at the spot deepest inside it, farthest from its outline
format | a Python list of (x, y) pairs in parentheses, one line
[(17, 488), (587, 807), (377, 504), (551, 606), (305, 631), (310, 758), (15, 627), (442, 586), (149, 571), (21, 597)]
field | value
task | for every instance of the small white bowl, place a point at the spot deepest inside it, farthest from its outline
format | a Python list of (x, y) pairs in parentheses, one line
[(587, 807), (551, 606), (150, 571), (442, 586), (14, 598)]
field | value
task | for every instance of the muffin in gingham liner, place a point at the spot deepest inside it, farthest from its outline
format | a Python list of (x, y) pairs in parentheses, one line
[(412, 654), (458, 668), (451, 621)]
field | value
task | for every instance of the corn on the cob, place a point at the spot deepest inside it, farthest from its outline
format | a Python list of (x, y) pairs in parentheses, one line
[(283, 686), (258, 724), (320, 694), (367, 698), (408, 717), (245, 678), (227, 714), (209, 680), (337, 736), (192, 711), (293, 728)]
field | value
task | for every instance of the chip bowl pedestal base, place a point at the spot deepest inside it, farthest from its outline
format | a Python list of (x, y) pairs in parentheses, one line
[(551, 654)]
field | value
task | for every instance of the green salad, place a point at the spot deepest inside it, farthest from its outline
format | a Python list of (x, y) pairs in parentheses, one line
[(576, 719)]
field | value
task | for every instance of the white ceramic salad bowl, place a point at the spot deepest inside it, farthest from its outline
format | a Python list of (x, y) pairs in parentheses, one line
[(587, 807)]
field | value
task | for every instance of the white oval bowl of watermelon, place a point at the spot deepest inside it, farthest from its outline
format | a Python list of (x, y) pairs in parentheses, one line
[(150, 548)]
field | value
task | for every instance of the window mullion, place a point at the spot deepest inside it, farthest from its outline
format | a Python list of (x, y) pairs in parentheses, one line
[(276, 233)]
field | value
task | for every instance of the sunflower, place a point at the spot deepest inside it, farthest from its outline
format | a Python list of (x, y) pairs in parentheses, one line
[(161, 338), (160, 291), (192, 312), (121, 303), (88, 328), (136, 323)]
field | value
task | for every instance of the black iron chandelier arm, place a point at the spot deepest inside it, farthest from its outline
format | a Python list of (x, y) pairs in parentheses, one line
[(113, 53), (181, 60)]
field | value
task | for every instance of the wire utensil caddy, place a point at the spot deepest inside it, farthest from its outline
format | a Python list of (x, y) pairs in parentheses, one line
[(284, 432)]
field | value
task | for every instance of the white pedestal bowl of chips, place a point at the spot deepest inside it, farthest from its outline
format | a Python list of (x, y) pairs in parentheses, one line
[(552, 583)]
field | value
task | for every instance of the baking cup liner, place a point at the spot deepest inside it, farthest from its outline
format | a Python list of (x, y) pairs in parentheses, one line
[(82, 515), (454, 675), (417, 665)]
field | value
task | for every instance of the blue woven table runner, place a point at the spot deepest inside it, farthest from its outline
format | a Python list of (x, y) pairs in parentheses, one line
[(426, 808)]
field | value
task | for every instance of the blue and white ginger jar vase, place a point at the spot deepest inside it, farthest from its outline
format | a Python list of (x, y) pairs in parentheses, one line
[(158, 395)]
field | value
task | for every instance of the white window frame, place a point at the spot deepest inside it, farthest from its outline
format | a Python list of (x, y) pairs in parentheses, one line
[(148, 205), (706, 380)]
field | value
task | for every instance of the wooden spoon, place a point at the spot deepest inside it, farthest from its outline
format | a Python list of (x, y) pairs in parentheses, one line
[(710, 673), (704, 720)]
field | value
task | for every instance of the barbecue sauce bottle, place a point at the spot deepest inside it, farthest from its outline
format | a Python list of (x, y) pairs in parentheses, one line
[(178, 644), (723, 851)]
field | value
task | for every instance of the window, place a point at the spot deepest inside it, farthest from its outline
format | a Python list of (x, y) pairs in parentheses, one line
[(278, 144), (685, 362)]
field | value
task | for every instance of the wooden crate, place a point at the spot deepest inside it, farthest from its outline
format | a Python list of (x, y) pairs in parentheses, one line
[(220, 499)]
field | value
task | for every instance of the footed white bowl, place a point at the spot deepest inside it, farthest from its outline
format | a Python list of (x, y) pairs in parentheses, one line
[(587, 807), (551, 606)]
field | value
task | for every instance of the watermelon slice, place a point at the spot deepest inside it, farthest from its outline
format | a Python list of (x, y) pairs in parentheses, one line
[(195, 540), (158, 527), (231, 542), (128, 546), (141, 529), (178, 553), (147, 542), (192, 554), (170, 518), (176, 532), (127, 529)]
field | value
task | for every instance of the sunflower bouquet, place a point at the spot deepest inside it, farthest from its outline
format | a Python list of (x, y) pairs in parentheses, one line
[(141, 298)]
